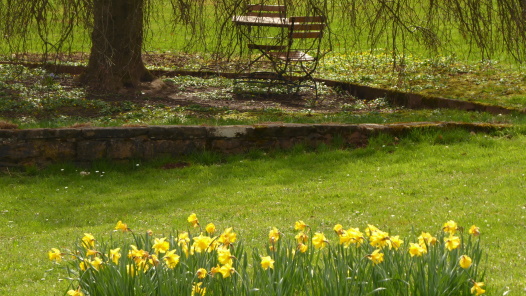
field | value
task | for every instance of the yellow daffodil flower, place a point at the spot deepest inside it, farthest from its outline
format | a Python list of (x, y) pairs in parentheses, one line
[(171, 259), (202, 243), (302, 248), (465, 261), (115, 255), (376, 257), (88, 241), (96, 263), (267, 262), (77, 292), (183, 239), (452, 242), (395, 242), (83, 265), (273, 235), (192, 219), (370, 230), (121, 226), (214, 270), (301, 237), (228, 237), (477, 288), (197, 290), (426, 239), (226, 270), (379, 239), (210, 228), (319, 241), (137, 255), (300, 225), (154, 260), (201, 273), (224, 256), (345, 239), (416, 250), (161, 245), (450, 227), (338, 228), (141, 265), (351, 236), (91, 252), (474, 230), (55, 254)]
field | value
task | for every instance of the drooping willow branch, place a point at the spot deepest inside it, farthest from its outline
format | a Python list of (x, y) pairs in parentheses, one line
[(489, 28)]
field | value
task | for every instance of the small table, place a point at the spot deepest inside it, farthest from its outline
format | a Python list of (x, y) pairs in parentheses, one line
[(253, 42), (261, 21)]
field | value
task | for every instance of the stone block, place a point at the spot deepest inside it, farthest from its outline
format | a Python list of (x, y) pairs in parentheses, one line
[(88, 150), (229, 131), (124, 149), (230, 146), (56, 150), (113, 132), (177, 132)]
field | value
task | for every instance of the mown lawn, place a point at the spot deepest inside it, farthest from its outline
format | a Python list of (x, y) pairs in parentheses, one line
[(411, 185)]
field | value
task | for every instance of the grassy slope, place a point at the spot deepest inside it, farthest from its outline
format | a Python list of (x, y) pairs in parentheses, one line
[(420, 183)]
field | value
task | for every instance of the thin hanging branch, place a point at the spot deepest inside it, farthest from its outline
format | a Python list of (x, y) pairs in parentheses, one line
[(489, 28)]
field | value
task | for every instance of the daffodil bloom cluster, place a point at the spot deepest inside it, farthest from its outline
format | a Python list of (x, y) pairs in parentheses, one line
[(207, 261)]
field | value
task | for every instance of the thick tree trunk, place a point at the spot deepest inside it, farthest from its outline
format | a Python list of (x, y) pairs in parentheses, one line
[(115, 59)]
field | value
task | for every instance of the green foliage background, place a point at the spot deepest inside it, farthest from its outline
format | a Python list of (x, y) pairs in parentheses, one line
[(476, 29)]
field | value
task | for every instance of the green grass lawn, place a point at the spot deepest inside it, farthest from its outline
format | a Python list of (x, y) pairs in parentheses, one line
[(415, 185)]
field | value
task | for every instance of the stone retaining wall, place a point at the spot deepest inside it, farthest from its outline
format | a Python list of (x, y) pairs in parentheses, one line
[(84, 145)]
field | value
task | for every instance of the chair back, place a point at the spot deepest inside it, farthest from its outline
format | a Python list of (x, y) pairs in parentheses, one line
[(303, 27)]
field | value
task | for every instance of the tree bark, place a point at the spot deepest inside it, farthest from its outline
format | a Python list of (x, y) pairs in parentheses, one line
[(116, 55)]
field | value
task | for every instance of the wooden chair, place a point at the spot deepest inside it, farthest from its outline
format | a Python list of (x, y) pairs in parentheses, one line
[(267, 33), (303, 50)]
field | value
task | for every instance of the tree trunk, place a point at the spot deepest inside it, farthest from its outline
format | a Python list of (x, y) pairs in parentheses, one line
[(115, 59)]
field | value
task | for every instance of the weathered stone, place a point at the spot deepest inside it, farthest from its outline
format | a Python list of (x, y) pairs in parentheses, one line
[(113, 133), (229, 146), (358, 139), (7, 134), (42, 146), (23, 150), (229, 131), (91, 150), (177, 132), (125, 149), (55, 151)]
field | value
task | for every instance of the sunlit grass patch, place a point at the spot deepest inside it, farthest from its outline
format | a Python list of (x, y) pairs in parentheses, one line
[(402, 185), (485, 81)]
